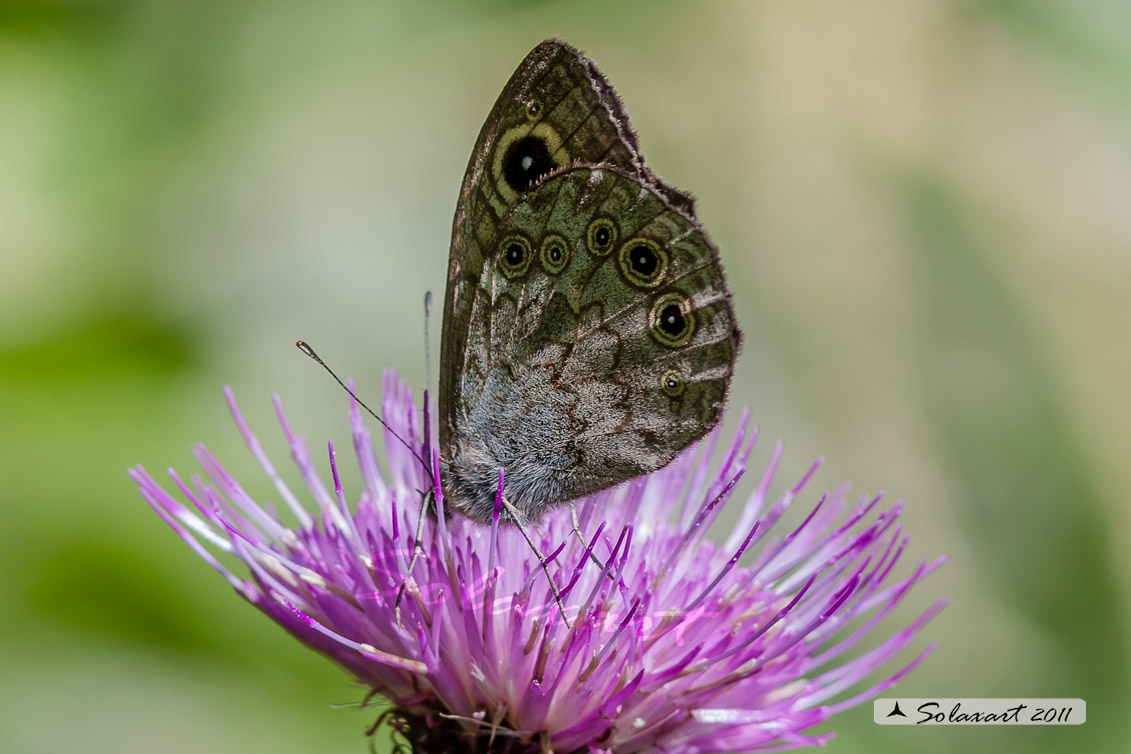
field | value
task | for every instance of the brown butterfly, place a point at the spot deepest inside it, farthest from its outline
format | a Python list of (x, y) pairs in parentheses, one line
[(588, 334)]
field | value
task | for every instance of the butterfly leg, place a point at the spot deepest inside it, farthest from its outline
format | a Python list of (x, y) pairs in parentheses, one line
[(517, 516), (417, 551), (581, 537)]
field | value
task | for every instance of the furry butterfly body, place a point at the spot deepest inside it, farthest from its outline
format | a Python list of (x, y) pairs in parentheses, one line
[(588, 335)]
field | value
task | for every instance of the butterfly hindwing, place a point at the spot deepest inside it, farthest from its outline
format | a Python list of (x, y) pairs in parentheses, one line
[(574, 380)]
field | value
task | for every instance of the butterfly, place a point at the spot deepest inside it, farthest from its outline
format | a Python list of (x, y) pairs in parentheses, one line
[(588, 334)]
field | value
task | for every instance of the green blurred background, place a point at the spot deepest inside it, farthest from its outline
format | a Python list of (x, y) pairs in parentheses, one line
[(924, 208)]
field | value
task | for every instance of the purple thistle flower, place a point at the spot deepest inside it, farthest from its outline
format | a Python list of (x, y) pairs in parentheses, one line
[(675, 646)]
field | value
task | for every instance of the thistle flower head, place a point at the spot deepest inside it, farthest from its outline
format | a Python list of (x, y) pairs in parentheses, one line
[(675, 642)]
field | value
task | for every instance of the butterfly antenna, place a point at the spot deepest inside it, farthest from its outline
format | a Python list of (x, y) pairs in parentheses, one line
[(427, 340), (305, 348), (429, 494)]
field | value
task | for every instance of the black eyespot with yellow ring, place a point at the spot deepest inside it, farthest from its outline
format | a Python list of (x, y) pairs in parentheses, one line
[(554, 254), (643, 262), (671, 320), (671, 382), (515, 256), (601, 236), (523, 155)]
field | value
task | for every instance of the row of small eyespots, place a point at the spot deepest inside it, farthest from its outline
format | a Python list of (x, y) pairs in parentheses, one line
[(642, 261), (516, 258), (671, 320)]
